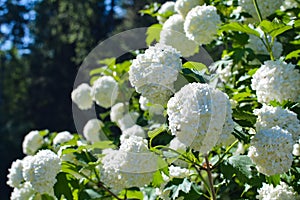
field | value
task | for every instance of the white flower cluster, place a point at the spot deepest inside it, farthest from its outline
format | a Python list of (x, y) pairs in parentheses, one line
[(41, 170), (122, 117), (173, 34), (296, 149), (105, 91), (165, 10), (197, 114), (257, 45), (266, 7), (132, 165), (271, 151), (276, 80), (135, 130), (178, 172), (15, 175), (184, 6), (62, 137), (288, 4), (201, 24), (32, 142), (81, 96), (280, 192), (153, 73), (269, 116), (92, 130), (24, 192)]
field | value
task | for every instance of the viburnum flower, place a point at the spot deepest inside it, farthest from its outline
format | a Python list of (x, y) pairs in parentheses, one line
[(201, 24), (184, 6), (105, 91), (178, 172), (266, 7), (296, 149), (269, 116), (128, 120), (166, 10), (118, 111), (62, 137), (132, 165), (271, 151), (40, 171), (135, 130), (197, 114), (276, 80), (15, 175), (280, 192), (172, 34), (153, 73), (289, 4), (24, 192), (81, 96), (32, 142), (92, 130)]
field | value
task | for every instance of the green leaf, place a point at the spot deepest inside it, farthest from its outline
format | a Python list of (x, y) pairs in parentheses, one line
[(133, 194), (102, 145), (44, 132), (153, 33), (293, 54), (157, 131), (192, 76), (61, 187), (108, 61), (274, 28), (185, 187), (195, 66), (235, 26), (157, 179), (275, 179), (97, 71)]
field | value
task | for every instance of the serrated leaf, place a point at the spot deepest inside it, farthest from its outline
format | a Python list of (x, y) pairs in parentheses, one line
[(235, 26), (274, 28), (293, 54), (153, 33), (196, 66)]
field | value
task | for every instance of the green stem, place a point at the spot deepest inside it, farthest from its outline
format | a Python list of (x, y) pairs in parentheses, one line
[(223, 156), (268, 45), (100, 184), (206, 185), (210, 178)]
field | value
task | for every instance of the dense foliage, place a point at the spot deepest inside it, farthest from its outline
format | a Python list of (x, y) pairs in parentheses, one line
[(168, 126)]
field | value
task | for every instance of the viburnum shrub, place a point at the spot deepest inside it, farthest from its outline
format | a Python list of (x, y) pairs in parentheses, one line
[(172, 123)]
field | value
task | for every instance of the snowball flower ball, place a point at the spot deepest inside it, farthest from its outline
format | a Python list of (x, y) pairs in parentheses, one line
[(135, 130), (153, 73), (81, 96), (184, 6), (131, 166), (276, 80), (166, 10), (257, 45), (105, 91), (118, 111), (92, 130), (40, 171), (15, 175), (24, 192), (266, 7), (296, 149), (197, 114), (269, 116), (62, 137), (172, 34), (271, 151), (201, 24), (32, 142), (280, 192)]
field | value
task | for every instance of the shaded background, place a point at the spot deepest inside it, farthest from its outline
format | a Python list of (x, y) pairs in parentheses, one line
[(42, 45)]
